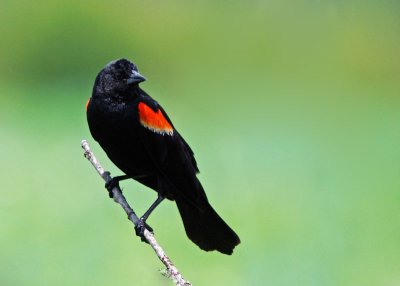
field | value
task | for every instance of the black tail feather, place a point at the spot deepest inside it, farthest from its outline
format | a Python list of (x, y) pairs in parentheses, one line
[(206, 228)]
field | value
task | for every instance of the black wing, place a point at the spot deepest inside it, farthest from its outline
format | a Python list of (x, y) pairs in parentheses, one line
[(173, 158)]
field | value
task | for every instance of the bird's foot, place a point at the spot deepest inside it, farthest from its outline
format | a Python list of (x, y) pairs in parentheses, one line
[(111, 183), (140, 227)]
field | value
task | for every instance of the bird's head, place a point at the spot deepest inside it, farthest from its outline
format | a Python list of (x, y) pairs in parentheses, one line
[(117, 77)]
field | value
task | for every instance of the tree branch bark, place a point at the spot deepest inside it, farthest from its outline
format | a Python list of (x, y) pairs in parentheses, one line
[(171, 271)]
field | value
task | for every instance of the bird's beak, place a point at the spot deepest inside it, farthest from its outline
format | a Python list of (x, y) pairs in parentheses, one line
[(136, 77)]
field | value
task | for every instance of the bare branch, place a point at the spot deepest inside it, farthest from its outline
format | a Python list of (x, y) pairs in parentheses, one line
[(171, 271)]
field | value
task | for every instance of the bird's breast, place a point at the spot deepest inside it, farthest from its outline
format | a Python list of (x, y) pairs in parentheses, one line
[(116, 129)]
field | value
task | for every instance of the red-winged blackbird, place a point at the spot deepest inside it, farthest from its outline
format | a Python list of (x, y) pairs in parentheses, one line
[(138, 137)]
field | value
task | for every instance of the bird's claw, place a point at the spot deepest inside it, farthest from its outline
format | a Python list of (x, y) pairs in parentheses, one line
[(110, 184), (140, 227)]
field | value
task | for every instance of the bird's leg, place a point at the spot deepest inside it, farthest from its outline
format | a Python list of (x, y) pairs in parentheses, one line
[(159, 199), (142, 225), (113, 182)]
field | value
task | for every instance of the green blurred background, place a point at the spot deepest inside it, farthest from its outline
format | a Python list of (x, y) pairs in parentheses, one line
[(292, 108)]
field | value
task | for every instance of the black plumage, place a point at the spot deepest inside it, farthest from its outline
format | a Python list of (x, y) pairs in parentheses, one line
[(140, 139)]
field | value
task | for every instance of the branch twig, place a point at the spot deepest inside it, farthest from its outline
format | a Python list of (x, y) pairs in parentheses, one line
[(171, 271)]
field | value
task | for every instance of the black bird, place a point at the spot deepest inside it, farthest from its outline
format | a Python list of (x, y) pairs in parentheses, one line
[(138, 137)]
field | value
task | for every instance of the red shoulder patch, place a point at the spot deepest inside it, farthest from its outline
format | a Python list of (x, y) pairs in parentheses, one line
[(87, 104), (155, 121)]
